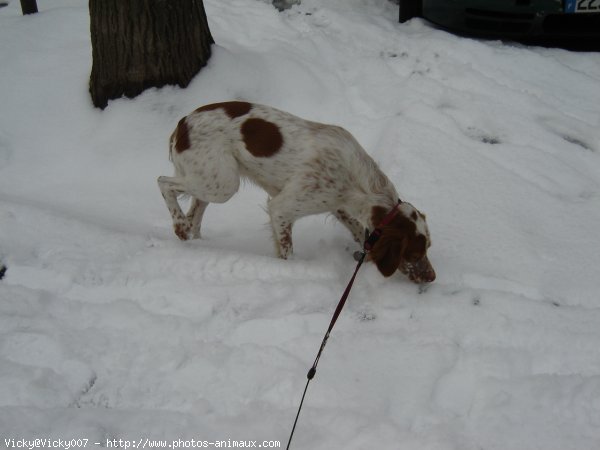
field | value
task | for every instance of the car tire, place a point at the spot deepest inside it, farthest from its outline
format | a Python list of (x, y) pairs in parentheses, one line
[(410, 9)]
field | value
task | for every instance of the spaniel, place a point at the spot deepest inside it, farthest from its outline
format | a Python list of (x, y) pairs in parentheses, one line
[(305, 167)]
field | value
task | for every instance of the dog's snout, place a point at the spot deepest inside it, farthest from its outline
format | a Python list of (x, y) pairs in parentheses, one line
[(424, 271)]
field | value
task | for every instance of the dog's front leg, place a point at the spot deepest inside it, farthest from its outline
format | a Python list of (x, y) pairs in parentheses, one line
[(282, 219), (353, 225), (282, 235)]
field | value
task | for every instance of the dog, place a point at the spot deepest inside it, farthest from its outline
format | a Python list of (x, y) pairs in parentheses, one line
[(305, 167)]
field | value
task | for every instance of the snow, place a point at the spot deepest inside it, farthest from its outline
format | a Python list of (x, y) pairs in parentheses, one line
[(111, 328)]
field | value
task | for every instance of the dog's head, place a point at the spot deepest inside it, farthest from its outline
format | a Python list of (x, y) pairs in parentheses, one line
[(403, 244)]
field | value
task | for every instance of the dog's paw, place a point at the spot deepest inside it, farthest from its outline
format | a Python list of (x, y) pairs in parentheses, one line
[(182, 230)]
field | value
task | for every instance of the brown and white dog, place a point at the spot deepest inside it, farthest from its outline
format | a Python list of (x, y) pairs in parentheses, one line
[(305, 167)]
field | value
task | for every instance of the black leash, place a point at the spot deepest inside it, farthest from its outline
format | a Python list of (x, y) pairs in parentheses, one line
[(368, 245), (336, 314)]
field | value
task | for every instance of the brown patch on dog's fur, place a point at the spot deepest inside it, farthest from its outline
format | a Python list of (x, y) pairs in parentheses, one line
[(232, 109), (263, 139), (182, 136)]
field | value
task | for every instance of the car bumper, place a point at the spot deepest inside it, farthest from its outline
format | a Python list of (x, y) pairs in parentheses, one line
[(511, 18)]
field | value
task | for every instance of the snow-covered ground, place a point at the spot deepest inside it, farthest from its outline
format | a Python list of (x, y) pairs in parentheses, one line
[(111, 328)]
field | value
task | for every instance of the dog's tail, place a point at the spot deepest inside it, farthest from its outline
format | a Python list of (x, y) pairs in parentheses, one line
[(2, 271), (171, 143)]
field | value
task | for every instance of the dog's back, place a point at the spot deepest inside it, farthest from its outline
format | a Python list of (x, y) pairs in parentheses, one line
[(269, 145)]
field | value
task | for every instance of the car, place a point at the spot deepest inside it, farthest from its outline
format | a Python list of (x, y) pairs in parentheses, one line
[(509, 18)]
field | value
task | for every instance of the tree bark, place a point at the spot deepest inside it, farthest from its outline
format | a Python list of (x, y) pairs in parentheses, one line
[(137, 44), (28, 6)]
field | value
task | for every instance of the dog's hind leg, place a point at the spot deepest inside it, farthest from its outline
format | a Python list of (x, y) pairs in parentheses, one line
[(194, 217), (171, 187), (209, 175)]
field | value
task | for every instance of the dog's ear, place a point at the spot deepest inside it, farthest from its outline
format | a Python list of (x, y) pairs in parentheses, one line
[(388, 260), (387, 251)]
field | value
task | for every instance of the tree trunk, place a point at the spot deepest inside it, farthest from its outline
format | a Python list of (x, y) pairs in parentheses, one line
[(137, 44), (28, 6)]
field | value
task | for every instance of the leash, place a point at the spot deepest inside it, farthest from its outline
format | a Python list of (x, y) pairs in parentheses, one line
[(370, 241)]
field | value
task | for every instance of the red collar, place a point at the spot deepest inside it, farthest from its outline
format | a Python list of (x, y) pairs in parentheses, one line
[(390, 215), (376, 234)]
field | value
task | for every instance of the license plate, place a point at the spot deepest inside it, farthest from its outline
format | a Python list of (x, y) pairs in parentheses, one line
[(582, 6)]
